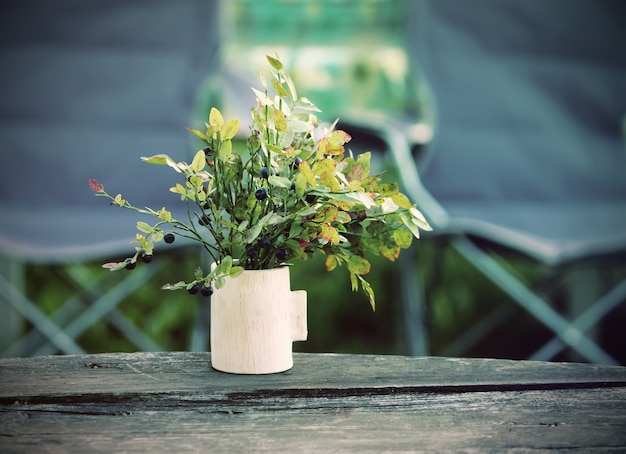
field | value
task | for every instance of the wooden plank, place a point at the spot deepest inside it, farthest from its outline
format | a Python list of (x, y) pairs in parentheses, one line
[(174, 402), (556, 419), (176, 372)]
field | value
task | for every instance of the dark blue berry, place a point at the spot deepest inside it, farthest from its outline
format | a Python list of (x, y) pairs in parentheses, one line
[(207, 151), (281, 254), (193, 289), (131, 265), (169, 238), (206, 290), (265, 243), (264, 173), (296, 162), (310, 198), (147, 258), (261, 194), (252, 252)]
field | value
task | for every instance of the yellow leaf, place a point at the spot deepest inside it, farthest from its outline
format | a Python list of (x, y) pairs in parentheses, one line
[(324, 165), (329, 180), (280, 90), (300, 184), (358, 265), (321, 147), (331, 262), (327, 214), (164, 215), (391, 253), (305, 170), (230, 129), (215, 119), (356, 173), (197, 133), (279, 121), (402, 237), (329, 233), (364, 161), (401, 200), (339, 137), (388, 189), (199, 161), (275, 62), (159, 159)]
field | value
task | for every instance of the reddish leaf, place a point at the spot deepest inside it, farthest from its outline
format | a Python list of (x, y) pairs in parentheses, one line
[(95, 186)]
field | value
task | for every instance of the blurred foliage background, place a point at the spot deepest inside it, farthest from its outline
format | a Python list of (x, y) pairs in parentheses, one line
[(335, 51)]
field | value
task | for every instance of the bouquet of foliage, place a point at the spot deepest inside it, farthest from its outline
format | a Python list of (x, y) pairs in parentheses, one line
[(292, 191)]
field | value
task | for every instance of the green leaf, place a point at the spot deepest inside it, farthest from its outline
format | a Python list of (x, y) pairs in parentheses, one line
[(236, 271), (304, 105), (275, 62), (358, 264), (402, 237), (220, 281), (300, 126), (177, 286), (254, 233), (388, 189), (369, 292), (225, 150), (224, 267), (115, 266), (281, 182), (263, 98), (354, 281), (300, 185), (144, 227)]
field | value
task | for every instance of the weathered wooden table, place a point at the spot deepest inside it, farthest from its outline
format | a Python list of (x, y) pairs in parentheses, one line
[(175, 402)]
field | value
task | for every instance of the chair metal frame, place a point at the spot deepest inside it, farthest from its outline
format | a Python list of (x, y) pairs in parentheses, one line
[(567, 333)]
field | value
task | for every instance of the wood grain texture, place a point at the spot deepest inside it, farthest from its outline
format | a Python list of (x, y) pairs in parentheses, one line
[(175, 402)]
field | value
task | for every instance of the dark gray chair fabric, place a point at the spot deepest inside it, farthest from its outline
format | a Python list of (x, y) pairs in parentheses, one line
[(528, 150), (87, 88)]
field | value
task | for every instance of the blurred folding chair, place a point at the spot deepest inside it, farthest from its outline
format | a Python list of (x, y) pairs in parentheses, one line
[(88, 88), (528, 153)]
